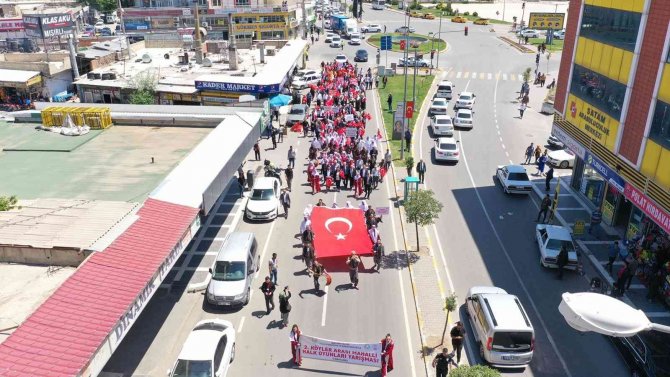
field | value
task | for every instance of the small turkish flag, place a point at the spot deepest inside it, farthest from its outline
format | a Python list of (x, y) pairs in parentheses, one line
[(339, 231), (402, 44)]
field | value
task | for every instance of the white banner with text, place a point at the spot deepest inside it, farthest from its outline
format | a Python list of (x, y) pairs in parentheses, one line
[(350, 353)]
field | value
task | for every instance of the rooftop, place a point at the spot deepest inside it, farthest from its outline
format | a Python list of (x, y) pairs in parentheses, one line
[(115, 164)]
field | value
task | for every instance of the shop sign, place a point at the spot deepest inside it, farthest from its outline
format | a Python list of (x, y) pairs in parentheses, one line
[(268, 10), (11, 24), (594, 122), (608, 212), (237, 88), (632, 230), (569, 142), (136, 25), (649, 207), (544, 21), (613, 178), (261, 26), (48, 25), (32, 26), (579, 227)]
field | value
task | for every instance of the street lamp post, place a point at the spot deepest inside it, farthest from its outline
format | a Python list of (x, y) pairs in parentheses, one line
[(439, 31), (432, 48), (404, 106), (504, 3), (416, 57), (595, 312)]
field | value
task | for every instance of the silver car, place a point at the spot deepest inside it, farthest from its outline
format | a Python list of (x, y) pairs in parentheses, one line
[(233, 270)]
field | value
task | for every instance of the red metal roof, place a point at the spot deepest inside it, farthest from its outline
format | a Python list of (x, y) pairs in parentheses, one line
[(62, 335)]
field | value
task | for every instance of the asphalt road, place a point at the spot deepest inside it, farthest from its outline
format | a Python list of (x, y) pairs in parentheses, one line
[(488, 237)]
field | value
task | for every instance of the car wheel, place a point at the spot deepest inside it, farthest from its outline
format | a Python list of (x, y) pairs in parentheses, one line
[(246, 300), (505, 189), (564, 165), (232, 353)]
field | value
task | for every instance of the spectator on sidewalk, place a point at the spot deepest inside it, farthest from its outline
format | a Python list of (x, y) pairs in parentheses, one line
[(529, 154), (421, 169), (291, 157), (522, 109), (389, 100), (257, 152), (544, 208), (457, 337), (549, 177), (612, 254), (632, 271), (442, 361), (408, 140)]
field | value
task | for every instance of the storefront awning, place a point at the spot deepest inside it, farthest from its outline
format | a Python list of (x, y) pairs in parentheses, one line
[(12, 78)]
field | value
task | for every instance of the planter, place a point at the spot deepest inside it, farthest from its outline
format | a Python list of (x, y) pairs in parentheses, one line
[(547, 108), (409, 172)]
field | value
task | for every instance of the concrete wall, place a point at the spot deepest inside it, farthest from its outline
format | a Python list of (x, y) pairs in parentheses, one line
[(59, 62), (44, 257), (163, 43), (58, 83)]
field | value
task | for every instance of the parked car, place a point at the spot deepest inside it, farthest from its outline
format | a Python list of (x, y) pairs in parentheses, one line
[(298, 113), (530, 33), (442, 125), (514, 179), (647, 353), (481, 21), (361, 56), (304, 81), (263, 203), (371, 28), (459, 20), (304, 72), (428, 16), (232, 272), (561, 158), (208, 350), (447, 149), (465, 101), (559, 34), (550, 239), (464, 118), (405, 29), (555, 142), (415, 14), (439, 106)]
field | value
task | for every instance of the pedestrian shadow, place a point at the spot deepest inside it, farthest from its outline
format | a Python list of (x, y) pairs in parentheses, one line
[(275, 324), (311, 292), (399, 259), (343, 287), (259, 314), (301, 273), (287, 364)]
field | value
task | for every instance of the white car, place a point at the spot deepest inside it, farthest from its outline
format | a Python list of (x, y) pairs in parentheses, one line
[(336, 42), (355, 40), (341, 59), (560, 34), (530, 33), (464, 118), (439, 106), (555, 142), (304, 72), (465, 101), (442, 125), (208, 351), (405, 29), (447, 149), (561, 158), (550, 239), (326, 24), (371, 28), (514, 179), (304, 81), (263, 203), (329, 37)]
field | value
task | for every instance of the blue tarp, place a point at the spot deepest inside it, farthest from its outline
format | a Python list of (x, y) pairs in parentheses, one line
[(280, 100)]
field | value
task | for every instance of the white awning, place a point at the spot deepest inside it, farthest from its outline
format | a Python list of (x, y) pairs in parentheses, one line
[(16, 76)]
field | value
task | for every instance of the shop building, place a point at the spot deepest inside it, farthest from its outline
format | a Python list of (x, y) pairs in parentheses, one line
[(613, 110)]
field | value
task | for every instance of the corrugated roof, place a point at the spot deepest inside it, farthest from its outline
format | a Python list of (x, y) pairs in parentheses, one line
[(72, 223), (62, 335)]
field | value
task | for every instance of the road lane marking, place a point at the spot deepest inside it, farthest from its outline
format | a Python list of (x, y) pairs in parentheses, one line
[(520, 77), (503, 146), (466, 75), (241, 325), (410, 349), (458, 75), (490, 76), (504, 76), (325, 305)]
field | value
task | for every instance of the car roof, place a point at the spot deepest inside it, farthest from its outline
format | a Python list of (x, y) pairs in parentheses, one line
[(200, 345), (515, 168), (463, 111), (465, 94), (438, 99), (265, 182), (561, 151), (445, 82), (445, 140), (235, 246), (442, 117), (506, 312), (557, 232)]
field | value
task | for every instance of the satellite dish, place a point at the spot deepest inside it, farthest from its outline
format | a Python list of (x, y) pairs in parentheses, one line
[(206, 62), (146, 58)]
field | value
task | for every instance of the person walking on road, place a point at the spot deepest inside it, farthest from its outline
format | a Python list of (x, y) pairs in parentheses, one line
[(408, 140), (257, 152), (273, 137), (387, 159), (291, 157), (389, 100), (612, 254), (522, 109), (378, 254), (289, 176), (285, 200), (268, 289), (549, 177), (529, 154), (387, 355), (538, 153), (442, 361), (562, 261), (284, 306), (421, 169), (544, 209), (632, 271), (273, 264), (541, 163), (353, 262), (316, 272), (308, 256), (457, 337), (294, 337)]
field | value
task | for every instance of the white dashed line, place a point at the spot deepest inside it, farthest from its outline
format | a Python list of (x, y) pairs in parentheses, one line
[(325, 304), (241, 325), (503, 146)]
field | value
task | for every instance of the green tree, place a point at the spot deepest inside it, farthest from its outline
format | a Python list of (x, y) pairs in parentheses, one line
[(144, 84), (422, 209), (104, 6), (354, 8), (450, 304), (526, 75), (474, 371), (8, 202)]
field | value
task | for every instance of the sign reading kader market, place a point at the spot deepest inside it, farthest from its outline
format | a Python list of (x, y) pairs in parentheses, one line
[(648, 206)]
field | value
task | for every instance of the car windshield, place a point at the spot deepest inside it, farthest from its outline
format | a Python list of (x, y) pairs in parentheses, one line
[(443, 121), (448, 147), (466, 97), (518, 177), (297, 111), (554, 244), (193, 368), (261, 194), (512, 341), (464, 115), (228, 271), (440, 103)]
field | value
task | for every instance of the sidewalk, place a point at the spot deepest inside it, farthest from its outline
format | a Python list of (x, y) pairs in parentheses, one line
[(572, 207)]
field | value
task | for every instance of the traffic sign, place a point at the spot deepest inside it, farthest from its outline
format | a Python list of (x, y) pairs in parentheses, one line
[(386, 43), (409, 109), (403, 43)]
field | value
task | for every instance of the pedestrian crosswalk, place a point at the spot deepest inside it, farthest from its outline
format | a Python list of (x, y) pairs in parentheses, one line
[(453, 74)]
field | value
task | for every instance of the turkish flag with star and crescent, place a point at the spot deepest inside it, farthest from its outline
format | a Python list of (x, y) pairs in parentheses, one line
[(339, 231)]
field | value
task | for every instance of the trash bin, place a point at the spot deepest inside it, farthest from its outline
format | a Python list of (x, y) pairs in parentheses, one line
[(250, 178)]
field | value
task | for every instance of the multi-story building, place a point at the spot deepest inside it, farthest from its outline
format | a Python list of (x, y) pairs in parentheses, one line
[(613, 110)]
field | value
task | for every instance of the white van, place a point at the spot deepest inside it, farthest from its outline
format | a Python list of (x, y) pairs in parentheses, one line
[(501, 327), (233, 270), (351, 27), (445, 89), (379, 4)]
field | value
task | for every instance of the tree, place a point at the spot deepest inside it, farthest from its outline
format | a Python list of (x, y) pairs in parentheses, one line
[(422, 209), (526, 75), (8, 202), (474, 371), (104, 6), (450, 304), (144, 84), (354, 9)]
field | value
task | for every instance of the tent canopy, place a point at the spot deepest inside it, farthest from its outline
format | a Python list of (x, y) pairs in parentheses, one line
[(280, 100)]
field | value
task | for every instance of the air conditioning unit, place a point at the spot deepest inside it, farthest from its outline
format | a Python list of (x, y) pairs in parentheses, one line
[(204, 24), (147, 19)]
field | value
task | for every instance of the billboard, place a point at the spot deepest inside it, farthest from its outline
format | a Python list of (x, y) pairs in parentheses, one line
[(544, 21), (11, 24), (48, 25)]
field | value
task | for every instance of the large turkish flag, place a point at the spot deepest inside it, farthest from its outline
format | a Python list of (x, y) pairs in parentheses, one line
[(339, 231)]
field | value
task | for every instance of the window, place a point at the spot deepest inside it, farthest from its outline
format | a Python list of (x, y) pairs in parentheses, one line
[(242, 3), (512, 341), (660, 125), (612, 26), (598, 90), (216, 3)]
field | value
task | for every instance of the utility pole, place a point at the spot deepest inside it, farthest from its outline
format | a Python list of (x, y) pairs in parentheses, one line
[(504, 3), (523, 11), (439, 32), (404, 105), (304, 20), (416, 56)]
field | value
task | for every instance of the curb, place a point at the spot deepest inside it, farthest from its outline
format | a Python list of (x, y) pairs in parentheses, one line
[(517, 46), (445, 49)]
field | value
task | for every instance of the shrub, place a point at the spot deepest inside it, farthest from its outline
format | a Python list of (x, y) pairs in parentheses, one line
[(466, 13), (475, 14), (394, 2)]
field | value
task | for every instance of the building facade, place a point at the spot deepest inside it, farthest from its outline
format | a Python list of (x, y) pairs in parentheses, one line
[(613, 110)]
